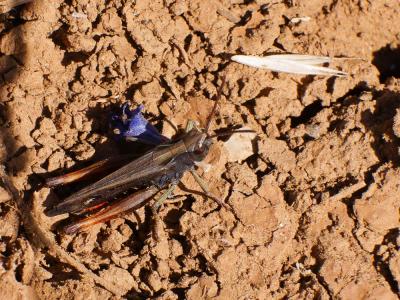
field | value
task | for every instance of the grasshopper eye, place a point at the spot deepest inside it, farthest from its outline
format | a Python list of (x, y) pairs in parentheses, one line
[(199, 151), (202, 149)]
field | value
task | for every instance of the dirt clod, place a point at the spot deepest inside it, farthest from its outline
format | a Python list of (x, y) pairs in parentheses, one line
[(312, 195)]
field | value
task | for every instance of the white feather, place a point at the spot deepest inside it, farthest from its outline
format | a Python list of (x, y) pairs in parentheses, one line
[(290, 63)]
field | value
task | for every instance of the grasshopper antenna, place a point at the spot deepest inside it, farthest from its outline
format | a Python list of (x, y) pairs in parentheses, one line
[(214, 109), (228, 133)]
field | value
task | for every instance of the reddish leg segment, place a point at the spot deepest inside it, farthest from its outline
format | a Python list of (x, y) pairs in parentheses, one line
[(124, 205)]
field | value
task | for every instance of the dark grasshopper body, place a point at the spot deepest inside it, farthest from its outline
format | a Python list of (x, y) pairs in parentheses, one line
[(156, 169), (161, 167)]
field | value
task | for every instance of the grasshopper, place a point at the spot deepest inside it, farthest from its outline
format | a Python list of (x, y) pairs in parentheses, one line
[(159, 168)]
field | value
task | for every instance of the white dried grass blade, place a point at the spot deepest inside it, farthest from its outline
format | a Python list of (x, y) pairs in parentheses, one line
[(308, 59), (290, 63)]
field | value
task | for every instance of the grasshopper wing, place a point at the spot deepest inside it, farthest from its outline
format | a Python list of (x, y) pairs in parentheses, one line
[(136, 173)]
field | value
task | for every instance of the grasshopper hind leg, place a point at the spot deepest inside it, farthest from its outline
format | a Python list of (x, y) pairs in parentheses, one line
[(127, 204), (206, 190)]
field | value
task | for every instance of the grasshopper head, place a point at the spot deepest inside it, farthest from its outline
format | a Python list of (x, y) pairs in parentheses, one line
[(197, 143)]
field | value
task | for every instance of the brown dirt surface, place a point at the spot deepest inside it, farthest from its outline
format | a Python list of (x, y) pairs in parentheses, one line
[(315, 194)]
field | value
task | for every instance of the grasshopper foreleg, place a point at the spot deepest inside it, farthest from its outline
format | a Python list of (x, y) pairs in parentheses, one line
[(163, 197)]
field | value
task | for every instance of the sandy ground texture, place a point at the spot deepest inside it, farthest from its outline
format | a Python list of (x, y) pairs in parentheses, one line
[(315, 194)]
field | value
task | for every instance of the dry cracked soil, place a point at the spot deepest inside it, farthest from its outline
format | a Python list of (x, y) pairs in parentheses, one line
[(314, 194)]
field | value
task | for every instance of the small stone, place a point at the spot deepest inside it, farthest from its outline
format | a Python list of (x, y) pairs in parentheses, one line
[(313, 131), (239, 146)]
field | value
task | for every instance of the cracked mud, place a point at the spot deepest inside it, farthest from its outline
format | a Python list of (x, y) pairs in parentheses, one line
[(315, 193)]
